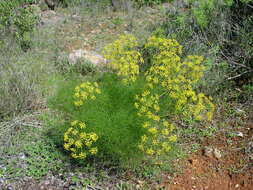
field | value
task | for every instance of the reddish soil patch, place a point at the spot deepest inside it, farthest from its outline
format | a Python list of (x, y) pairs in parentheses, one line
[(234, 170)]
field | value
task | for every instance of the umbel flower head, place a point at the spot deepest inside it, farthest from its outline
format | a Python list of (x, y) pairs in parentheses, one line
[(124, 58), (84, 91), (78, 142)]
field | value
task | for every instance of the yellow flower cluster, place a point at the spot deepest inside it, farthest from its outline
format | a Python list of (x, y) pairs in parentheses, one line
[(169, 77), (84, 91), (78, 142), (158, 139), (164, 45), (177, 78), (148, 105), (168, 95), (123, 58)]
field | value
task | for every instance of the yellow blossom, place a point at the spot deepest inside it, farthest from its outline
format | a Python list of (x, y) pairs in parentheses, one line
[(73, 123), (82, 155), (152, 130), (78, 144), (93, 150), (150, 151), (173, 138), (93, 136), (66, 146), (82, 125)]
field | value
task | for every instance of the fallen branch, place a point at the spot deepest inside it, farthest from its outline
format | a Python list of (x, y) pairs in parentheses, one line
[(237, 76)]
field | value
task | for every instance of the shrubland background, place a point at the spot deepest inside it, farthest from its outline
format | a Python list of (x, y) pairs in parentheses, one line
[(35, 44)]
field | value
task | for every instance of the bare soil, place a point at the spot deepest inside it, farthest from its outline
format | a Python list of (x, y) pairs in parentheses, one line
[(234, 170)]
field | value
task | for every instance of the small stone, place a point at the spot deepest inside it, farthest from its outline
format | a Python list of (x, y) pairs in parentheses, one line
[(237, 185), (240, 111), (1, 181), (9, 187), (239, 134), (90, 56), (22, 156), (140, 182), (208, 151), (77, 18), (217, 153), (150, 10)]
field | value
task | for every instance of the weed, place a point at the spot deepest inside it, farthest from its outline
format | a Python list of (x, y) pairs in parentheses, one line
[(31, 155)]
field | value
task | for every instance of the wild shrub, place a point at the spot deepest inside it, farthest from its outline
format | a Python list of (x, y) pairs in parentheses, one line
[(17, 91), (130, 113), (219, 30), (13, 13), (25, 22), (7, 11)]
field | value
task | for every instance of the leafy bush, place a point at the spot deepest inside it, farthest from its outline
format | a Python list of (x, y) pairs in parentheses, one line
[(7, 11), (132, 112), (205, 10), (23, 19), (219, 30)]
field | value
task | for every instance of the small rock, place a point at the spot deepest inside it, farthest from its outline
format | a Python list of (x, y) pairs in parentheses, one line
[(77, 18), (140, 182), (208, 151), (90, 56), (1, 181), (9, 187), (239, 110), (237, 185), (217, 153), (22, 156), (239, 134), (150, 10)]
